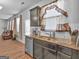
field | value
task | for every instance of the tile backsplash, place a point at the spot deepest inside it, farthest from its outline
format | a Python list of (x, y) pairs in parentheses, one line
[(64, 35)]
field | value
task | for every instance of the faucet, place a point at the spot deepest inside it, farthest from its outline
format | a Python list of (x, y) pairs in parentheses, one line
[(50, 34)]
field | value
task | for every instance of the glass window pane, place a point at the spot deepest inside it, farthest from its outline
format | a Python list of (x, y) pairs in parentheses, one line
[(27, 27), (17, 24)]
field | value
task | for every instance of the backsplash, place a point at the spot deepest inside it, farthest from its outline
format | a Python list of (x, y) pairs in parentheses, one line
[(65, 35)]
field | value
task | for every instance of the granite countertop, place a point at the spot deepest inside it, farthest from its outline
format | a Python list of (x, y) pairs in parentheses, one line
[(56, 41)]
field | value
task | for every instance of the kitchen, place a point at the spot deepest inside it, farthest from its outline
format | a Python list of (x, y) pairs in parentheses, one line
[(53, 32)]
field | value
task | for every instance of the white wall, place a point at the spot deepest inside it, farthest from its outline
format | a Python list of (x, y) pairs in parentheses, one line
[(2, 26), (72, 7)]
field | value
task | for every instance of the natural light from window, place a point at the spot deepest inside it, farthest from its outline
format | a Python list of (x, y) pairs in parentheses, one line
[(27, 27), (52, 17), (17, 24)]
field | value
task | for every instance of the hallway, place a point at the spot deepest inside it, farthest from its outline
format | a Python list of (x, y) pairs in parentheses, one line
[(13, 49)]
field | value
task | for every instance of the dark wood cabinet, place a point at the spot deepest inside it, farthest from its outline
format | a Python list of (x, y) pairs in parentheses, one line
[(35, 16)]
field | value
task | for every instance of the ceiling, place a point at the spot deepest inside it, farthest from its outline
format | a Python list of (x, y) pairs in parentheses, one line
[(12, 7)]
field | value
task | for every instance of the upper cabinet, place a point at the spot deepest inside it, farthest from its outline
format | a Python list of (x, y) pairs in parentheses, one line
[(35, 16)]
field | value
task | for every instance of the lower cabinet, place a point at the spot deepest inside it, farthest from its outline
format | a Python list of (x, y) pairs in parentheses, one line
[(64, 53), (62, 56), (75, 54), (38, 54), (49, 51), (42, 52), (49, 54)]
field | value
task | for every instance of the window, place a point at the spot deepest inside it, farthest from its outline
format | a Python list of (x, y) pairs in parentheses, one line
[(8, 25), (17, 24), (52, 17), (27, 27), (12, 24), (51, 23)]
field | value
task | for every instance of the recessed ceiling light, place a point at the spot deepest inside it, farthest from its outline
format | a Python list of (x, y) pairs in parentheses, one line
[(1, 7)]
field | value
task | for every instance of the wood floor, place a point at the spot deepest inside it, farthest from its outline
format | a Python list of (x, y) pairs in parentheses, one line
[(13, 49)]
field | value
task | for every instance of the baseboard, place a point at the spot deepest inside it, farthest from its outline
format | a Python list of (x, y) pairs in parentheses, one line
[(22, 41)]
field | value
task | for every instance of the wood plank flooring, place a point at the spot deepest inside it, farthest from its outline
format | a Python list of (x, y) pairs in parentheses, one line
[(13, 49)]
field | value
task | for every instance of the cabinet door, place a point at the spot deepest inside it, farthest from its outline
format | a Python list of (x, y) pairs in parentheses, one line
[(63, 56), (75, 54), (29, 45), (38, 51), (35, 16), (49, 55), (65, 50)]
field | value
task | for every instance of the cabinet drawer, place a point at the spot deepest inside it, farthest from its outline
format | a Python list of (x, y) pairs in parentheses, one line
[(65, 50)]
